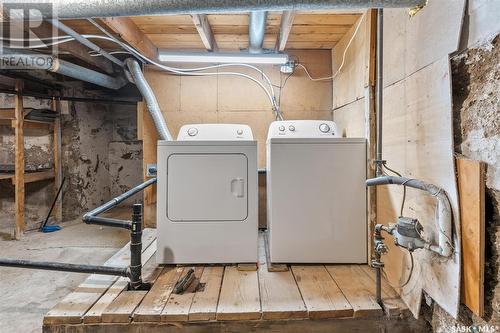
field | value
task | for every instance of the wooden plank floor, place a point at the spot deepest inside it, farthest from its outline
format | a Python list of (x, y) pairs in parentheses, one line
[(227, 294)]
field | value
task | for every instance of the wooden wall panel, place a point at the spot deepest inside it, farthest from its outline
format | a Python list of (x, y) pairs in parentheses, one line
[(349, 83), (411, 43), (188, 100), (418, 142), (350, 119)]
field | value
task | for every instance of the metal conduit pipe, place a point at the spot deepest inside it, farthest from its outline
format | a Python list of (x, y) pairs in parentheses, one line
[(23, 60), (92, 218), (256, 31), (380, 90), (149, 97), (444, 213), (63, 27), (67, 9)]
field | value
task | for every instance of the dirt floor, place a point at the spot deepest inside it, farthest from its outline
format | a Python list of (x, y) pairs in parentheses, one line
[(28, 294)]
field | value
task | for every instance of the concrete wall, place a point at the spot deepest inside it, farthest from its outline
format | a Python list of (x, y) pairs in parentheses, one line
[(101, 158), (476, 98)]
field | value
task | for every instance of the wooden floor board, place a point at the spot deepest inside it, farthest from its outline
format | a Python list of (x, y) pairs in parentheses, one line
[(321, 295), (122, 307), (239, 297), (177, 307), (393, 304), (121, 284), (152, 305), (204, 306), (360, 292), (279, 295), (74, 306)]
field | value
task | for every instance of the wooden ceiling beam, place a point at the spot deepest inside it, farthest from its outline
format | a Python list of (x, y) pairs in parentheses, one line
[(75, 49), (205, 31), (130, 32), (285, 28)]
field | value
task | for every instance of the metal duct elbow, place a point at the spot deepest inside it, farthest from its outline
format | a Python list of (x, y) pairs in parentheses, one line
[(444, 213), (256, 31), (149, 97)]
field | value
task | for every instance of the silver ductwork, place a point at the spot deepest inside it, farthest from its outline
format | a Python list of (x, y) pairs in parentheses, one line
[(25, 61), (256, 31), (149, 97), (72, 9)]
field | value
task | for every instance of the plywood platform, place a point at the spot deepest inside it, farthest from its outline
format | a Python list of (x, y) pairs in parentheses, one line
[(232, 299)]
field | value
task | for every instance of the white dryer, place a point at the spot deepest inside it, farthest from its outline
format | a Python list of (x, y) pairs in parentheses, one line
[(207, 204), (316, 195)]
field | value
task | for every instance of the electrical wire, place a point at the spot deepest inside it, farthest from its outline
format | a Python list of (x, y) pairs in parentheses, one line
[(404, 187), (180, 71), (412, 266), (343, 57)]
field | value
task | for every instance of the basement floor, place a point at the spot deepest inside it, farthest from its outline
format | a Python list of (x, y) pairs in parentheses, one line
[(27, 295)]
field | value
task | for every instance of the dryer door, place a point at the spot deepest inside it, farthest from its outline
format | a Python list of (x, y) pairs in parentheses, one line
[(207, 187)]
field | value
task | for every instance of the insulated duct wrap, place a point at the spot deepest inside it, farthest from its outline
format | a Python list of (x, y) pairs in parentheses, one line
[(149, 97)]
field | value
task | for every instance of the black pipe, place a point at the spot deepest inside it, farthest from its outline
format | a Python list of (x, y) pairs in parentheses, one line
[(64, 267), (92, 218), (380, 89), (136, 248)]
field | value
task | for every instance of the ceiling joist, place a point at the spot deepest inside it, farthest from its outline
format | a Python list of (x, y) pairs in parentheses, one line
[(129, 32), (285, 28), (205, 31)]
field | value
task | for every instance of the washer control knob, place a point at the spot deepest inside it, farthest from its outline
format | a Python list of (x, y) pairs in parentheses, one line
[(324, 128), (239, 132), (291, 128), (192, 131), (282, 128)]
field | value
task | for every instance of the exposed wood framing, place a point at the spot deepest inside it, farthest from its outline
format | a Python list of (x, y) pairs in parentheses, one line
[(129, 32), (19, 161), (75, 49), (57, 160), (285, 28), (205, 31)]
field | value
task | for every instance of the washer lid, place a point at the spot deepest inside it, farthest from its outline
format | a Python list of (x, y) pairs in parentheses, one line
[(215, 132), (303, 129)]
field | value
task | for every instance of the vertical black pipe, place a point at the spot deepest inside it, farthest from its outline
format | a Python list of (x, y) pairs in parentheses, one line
[(136, 248), (380, 87)]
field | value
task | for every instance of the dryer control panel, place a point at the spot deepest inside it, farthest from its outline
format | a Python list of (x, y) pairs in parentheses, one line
[(211, 132), (303, 129)]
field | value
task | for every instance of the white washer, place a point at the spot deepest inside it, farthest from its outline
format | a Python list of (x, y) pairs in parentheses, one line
[(207, 204), (316, 195)]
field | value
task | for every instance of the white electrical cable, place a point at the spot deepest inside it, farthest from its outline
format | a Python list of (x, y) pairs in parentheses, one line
[(180, 71), (343, 57)]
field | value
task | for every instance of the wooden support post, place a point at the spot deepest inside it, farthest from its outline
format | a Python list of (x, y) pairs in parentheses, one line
[(57, 161), (19, 161)]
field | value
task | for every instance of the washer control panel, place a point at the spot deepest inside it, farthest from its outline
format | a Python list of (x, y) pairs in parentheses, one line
[(303, 129), (210, 132)]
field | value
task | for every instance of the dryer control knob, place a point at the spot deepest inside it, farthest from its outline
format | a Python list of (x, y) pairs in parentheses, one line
[(282, 128), (324, 128), (239, 132), (291, 128), (192, 131)]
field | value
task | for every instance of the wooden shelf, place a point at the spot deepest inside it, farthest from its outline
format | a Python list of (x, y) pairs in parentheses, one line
[(30, 177)]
